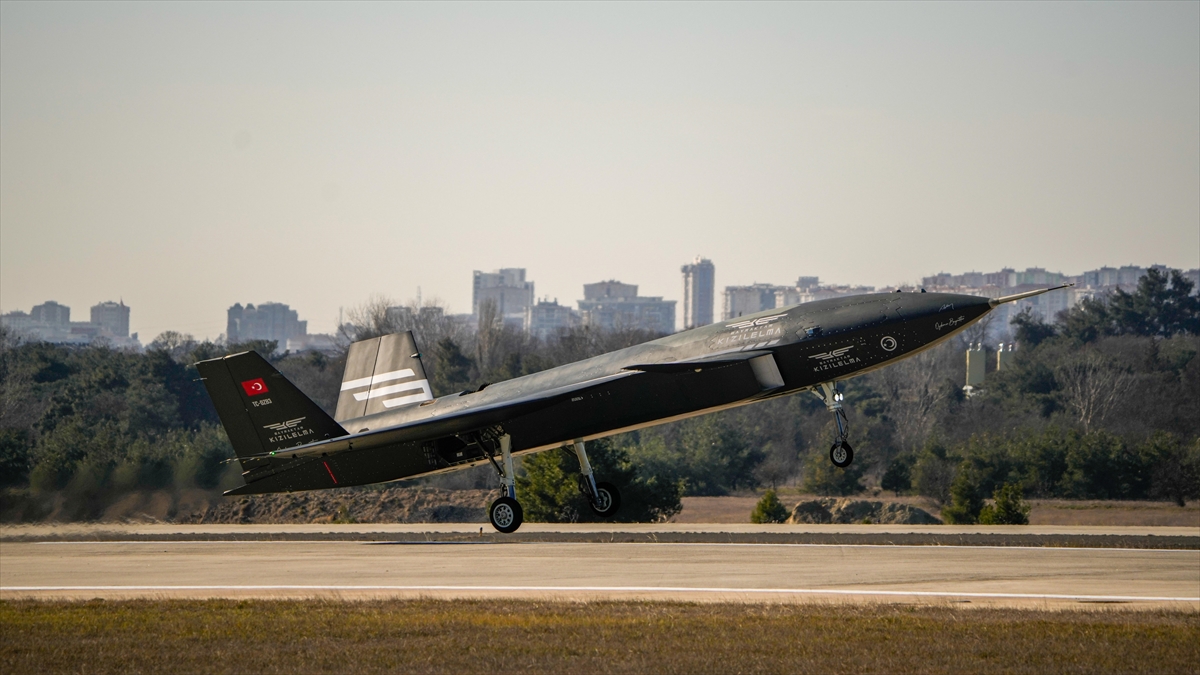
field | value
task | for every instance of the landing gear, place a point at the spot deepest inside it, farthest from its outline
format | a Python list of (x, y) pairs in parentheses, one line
[(505, 513), (607, 501), (841, 454), (603, 498)]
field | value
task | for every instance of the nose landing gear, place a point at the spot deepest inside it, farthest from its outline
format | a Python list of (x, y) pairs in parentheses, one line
[(841, 454)]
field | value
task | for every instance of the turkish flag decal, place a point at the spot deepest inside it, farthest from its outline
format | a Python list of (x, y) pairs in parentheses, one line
[(255, 387)]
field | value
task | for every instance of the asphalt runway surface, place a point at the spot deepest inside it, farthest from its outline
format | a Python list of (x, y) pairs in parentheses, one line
[(129, 564)]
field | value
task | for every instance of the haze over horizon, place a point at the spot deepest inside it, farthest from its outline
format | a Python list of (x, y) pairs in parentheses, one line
[(184, 157)]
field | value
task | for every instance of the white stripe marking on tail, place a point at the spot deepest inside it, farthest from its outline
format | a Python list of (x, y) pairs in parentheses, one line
[(376, 379)]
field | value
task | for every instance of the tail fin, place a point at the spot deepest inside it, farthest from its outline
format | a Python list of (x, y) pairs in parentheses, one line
[(382, 373), (261, 411)]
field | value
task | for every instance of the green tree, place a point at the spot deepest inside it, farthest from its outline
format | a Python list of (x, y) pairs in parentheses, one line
[(898, 477), (821, 477), (453, 367), (1161, 306), (717, 457), (1100, 466), (1087, 321), (1174, 467), (1031, 331), (550, 492), (965, 496), (1009, 508), (15, 446), (933, 472), (769, 509)]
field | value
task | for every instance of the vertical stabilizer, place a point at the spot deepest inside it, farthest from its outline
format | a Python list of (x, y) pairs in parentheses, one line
[(260, 409), (382, 373)]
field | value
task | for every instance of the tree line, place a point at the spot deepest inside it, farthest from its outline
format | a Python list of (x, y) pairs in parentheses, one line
[(1103, 403)]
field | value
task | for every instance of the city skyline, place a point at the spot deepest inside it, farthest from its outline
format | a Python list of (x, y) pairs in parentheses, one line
[(330, 151), (804, 289)]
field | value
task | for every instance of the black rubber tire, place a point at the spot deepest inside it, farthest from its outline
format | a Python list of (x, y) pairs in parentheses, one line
[(841, 454), (609, 491), (506, 515)]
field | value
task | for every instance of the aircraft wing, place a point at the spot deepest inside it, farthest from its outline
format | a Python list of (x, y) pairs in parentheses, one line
[(728, 359)]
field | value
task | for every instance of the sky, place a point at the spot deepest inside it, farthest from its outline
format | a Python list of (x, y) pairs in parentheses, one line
[(182, 157)]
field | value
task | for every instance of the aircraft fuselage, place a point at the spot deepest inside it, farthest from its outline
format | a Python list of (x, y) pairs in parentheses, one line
[(681, 375)]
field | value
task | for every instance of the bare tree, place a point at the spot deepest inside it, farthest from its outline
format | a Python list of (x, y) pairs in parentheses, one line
[(1092, 385), (915, 391), (381, 315), (488, 335), (977, 332), (178, 345)]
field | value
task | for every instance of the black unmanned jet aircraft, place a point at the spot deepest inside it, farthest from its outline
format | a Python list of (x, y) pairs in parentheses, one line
[(388, 426)]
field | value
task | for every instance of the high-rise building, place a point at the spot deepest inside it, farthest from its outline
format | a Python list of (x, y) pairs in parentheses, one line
[(112, 317), (609, 290), (544, 319), (51, 313), (507, 288), (744, 300), (269, 321), (51, 322), (612, 305), (698, 293)]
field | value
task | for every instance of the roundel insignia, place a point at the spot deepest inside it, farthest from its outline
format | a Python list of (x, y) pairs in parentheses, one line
[(888, 343)]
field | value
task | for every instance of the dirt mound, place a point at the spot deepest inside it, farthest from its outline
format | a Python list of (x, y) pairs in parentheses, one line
[(847, 511), (389, 505)]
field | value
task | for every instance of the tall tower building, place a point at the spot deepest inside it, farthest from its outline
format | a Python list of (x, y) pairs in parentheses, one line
[(698, 293), (506, 287), (52, 313), (113, 317), (269, 321)]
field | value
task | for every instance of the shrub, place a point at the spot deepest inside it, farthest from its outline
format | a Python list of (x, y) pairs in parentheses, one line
[(898, 477), (1174, 467), (966, 502), (823, 478), (1009, 508), (549, 487), (769, 509), (14, 456), (933, 473)]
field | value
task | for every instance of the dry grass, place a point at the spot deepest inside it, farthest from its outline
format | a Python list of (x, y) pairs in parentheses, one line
[(504, 636), (1067, 512), (1113, 513)]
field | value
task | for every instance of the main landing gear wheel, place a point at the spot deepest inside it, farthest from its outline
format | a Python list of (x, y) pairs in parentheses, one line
[(506, 515), (841, 454), (609, 502)]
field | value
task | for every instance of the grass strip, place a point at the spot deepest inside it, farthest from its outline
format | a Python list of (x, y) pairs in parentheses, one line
[(1012, 538), (473, 636)]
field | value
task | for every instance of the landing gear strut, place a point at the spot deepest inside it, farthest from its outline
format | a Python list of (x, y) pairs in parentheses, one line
[(841, 454), (505, 513), (603, 498)]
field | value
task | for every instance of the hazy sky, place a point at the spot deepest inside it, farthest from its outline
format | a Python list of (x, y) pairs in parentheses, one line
[(184, 157)]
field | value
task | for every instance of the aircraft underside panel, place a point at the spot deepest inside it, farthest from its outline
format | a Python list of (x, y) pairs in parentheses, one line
[(358, 467), (634, 401)]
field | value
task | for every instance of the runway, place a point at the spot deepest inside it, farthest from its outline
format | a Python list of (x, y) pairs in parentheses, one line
[(989, 575)]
